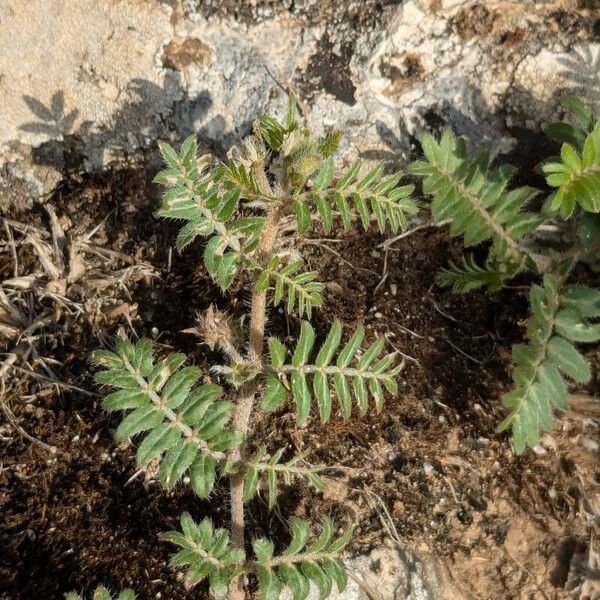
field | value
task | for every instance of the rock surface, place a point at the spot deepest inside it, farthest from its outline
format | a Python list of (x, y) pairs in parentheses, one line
[(390, 573), (86, 85)]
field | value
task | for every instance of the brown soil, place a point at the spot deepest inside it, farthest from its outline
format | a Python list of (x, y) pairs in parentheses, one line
[(502, 527)]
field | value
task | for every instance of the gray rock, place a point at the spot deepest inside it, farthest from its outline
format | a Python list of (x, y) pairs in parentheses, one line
[(392, 572), (89, 85)]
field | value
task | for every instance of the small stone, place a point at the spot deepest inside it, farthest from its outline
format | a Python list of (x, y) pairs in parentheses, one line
[(335, 288), (378, 315), (393, 289), (588, 444), (128, 208), (430, 339), (75, 439), (154, 332), (427, 468)]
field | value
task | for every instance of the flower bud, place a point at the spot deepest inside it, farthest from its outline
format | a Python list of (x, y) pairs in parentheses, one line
[(215, 328)]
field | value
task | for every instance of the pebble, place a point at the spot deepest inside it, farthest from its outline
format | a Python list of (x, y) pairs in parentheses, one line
[(378, 315), (154, 332), (393, 289), (335, 288), (427, 468), (588, 444)]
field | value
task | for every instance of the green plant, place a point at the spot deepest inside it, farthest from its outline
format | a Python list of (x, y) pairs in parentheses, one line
[(477, 200), (101, 593), (279, 174)]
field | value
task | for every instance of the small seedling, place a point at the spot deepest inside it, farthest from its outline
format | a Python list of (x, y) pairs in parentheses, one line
[(477, 200), (279, 175)]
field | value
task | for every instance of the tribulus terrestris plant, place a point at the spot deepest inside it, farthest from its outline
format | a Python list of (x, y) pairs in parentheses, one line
[(477, 200), (101, 593), (279, 175)]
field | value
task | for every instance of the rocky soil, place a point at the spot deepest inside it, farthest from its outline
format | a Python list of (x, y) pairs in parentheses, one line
[(86, 90)]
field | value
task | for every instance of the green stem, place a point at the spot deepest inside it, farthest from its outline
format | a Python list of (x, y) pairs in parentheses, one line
[(332, 370), (292, 559)]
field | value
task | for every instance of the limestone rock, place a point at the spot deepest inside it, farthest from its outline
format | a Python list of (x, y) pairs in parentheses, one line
[(394, 573), (90, 84)]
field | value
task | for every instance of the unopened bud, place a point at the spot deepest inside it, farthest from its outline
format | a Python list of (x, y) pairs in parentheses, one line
[(215, 328)]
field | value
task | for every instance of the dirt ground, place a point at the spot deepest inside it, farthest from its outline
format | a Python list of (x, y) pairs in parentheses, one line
[(77, 515)]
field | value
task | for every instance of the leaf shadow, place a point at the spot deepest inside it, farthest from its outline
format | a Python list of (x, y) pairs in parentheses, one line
[(53, 121), (582, 70), (151, 112)]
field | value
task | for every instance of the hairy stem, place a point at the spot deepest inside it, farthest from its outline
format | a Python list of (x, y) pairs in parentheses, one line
[(243, 411), (475, 202), (332, 370), (540, 358)]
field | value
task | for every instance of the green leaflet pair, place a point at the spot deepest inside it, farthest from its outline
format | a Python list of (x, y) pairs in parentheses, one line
[(479, 205), (206, 553)]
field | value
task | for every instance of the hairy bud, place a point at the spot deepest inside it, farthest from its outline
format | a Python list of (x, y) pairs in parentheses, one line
[(215, 328)]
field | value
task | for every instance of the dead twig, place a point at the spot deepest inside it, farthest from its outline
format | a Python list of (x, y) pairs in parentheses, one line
[(25, 228), (13, 249), (12, 420), (64, 386), (384, 273), (439, 310), (410, 331), (461, 351), (368, 589), (402, 354), (21, 351), (335, 253), (388, 243)]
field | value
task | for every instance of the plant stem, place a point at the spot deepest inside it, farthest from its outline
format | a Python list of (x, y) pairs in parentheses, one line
[(241, 419)]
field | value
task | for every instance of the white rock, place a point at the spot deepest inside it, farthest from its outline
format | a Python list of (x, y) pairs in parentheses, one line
[(396, 574), (107, 86)]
